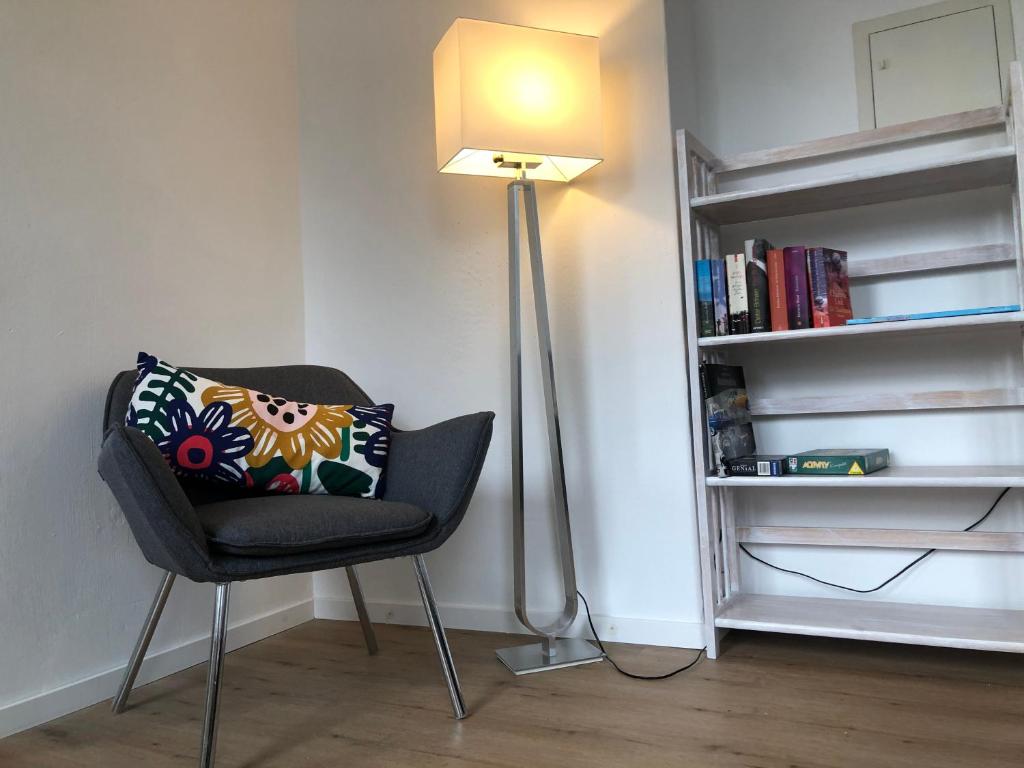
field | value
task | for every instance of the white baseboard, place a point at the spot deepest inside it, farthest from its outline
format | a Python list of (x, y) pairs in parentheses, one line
[(61, 701), (675, 634), (58, 702)]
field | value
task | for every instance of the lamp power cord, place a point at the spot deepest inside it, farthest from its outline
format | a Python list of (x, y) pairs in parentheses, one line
[(619, 669), (700, 654), (889, 580)]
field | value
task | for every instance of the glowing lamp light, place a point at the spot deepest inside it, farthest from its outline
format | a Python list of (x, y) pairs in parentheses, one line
[(509, 99)]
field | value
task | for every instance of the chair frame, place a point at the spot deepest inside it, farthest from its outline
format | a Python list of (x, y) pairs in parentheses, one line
[(218, 644)]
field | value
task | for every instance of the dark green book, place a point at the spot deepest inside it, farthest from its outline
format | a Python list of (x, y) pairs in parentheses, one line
[(756, 256), (839, 461)]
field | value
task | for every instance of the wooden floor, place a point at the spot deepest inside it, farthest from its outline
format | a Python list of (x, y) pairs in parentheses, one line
[(312, 697)]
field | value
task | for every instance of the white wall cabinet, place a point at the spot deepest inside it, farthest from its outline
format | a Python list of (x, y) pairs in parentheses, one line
[(936, 60)]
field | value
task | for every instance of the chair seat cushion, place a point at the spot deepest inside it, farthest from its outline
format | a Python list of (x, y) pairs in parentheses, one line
[(285, 525)]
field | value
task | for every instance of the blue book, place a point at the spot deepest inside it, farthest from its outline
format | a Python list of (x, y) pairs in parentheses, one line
[(933, 315), (720, 293), (705, 305)]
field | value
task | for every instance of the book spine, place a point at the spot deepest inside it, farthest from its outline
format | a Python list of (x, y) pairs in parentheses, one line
[(720, 296), (777, 290), (840, 309), (705, 304), (818, 281), (703, 375), (757, 285), (736, 274), (797, 290)]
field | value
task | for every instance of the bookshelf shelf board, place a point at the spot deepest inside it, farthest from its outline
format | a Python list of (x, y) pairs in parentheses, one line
[(967, 476), (909, 327), (969, 170), (889, 136), (952, 258), (977, 628)]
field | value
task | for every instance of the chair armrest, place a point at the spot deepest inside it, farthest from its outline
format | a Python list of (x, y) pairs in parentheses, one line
[(437, 468), (161, 517)]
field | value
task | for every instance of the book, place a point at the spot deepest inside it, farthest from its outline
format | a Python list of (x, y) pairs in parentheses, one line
[(756, 466), (736, 277), (730, 431), (755, 255), (777, 290), (720, 297), (934, 315), (840, 308), (705, 306), (797, 290), (830, 287), (839, 461)]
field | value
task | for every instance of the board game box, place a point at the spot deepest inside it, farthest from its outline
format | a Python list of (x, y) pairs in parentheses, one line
[(759, 465), (839, 461)]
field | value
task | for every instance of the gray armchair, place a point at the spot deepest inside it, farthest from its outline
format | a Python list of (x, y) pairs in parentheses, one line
[(211, 534)]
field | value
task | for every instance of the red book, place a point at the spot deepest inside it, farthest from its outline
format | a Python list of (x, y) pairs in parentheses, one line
[(830, 287), (777, 290)]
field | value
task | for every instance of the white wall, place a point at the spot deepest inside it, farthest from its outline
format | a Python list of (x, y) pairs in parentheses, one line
[(681, 42), (407, 290), (149, 199), (777, 72)]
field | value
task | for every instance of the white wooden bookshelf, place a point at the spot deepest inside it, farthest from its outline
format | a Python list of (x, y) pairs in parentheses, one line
[(703, 210), (898, 328), (966, 476), (970, 170), (979, 628)]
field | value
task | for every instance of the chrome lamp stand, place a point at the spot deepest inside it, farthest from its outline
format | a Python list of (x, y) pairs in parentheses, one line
[(553, 652)]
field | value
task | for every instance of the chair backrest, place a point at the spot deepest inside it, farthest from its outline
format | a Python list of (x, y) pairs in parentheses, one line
[(306, 383)]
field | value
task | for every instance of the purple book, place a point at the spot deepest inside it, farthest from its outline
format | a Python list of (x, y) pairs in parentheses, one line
[(798, 292)]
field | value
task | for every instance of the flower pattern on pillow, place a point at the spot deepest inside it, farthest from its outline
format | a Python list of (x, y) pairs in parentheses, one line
[(231, 434), (295, 431), (205, 446)]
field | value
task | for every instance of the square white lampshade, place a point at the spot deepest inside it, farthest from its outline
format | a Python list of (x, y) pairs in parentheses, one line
[(507, 91)]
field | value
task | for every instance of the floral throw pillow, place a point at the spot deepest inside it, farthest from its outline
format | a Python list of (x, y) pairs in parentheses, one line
[(227, 434)]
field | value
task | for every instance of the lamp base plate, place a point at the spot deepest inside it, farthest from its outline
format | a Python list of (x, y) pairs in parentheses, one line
[(569, 652)]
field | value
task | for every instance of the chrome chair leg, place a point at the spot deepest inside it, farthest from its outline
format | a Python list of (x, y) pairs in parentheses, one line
[(443, 651), (364, 618), (214, 674), (142, 644)]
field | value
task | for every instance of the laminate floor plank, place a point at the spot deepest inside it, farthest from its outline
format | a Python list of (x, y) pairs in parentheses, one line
[(311, 696)]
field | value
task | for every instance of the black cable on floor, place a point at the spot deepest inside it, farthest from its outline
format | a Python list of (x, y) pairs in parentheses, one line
[(619, 669), (888, 581)]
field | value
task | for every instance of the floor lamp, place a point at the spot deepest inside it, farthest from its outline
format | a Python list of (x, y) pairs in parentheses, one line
[(525, 104)]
